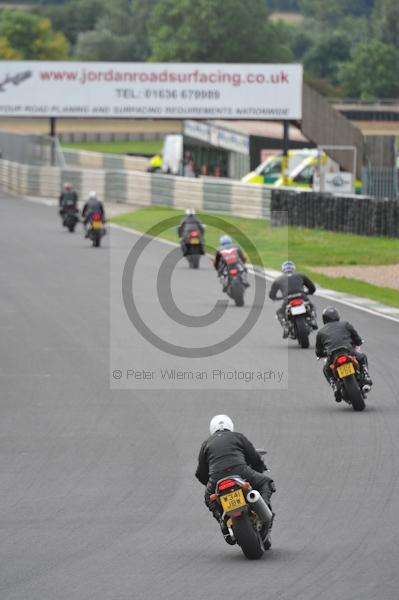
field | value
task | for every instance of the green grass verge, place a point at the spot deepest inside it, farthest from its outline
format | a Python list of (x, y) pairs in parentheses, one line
[(137, 147), (306, 247)]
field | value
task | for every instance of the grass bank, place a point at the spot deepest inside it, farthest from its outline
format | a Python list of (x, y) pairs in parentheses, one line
[(144, 147), (306, 247)]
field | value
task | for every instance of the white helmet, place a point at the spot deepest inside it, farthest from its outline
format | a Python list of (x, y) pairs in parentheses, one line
[(190, 211), (220, 422), (92, 195)]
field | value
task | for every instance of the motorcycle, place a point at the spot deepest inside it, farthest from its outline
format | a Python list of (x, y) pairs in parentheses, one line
[(95, 229), (298, 317), (193, 247), (348, 377), (234, 284), (246, 515), (70, 218)]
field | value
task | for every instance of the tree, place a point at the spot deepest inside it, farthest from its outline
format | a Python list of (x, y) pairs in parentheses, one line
[(75, 16), (213, 31), (371, 72), (326, 13), (6, 52), (324, 57), (120, 33), (386, 21), (32, 37)]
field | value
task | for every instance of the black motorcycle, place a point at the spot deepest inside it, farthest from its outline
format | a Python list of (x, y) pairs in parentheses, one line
[(298, 318), (70, 218), (246, 514), (348, 377), (193, 247), (234, 282)]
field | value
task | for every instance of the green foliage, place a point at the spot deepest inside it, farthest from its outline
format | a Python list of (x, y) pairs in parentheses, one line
[(75, 16), (142, 147), (308, 247), (32, 37), (386, 21), (213, 31), (324, 57), (372, 71)]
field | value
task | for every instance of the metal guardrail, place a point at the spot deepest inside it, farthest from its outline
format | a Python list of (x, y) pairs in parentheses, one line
[(35, 150)]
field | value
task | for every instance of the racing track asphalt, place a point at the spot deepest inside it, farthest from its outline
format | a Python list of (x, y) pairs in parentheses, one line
[(98, 499)]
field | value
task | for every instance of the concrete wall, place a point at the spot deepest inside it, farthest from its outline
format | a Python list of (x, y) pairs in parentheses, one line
[(140, 189)]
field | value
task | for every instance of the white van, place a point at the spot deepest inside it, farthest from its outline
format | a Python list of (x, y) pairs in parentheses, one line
[(172, 155)]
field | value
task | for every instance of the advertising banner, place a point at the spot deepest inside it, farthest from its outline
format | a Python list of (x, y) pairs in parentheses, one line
[(150, 90)]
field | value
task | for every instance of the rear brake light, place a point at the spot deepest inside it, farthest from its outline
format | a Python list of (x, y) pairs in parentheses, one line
[(228, 483), (194, 234), (296, 302), (96, 216), (233, 271), (342, 359)]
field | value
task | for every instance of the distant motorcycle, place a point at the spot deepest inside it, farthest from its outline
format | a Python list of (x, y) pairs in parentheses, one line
[(348, 377), (298, 316), (193, 247), (70, 218), (96, 228), (246, 514), (233, 282)]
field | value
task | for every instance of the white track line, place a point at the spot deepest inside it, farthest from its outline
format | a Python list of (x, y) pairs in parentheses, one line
[(374, 308), (357, 302)]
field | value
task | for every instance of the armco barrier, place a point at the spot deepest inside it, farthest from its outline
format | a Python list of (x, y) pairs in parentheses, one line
[(140, 188), (348, 214)]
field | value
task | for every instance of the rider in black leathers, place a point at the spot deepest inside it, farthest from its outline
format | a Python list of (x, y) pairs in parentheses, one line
[(189, 223), (92, 205), (339, 334), (227, 452), (290, 283), (68, 199)]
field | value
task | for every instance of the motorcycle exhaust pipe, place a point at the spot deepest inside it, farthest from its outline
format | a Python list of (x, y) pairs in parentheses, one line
[(259, 506)]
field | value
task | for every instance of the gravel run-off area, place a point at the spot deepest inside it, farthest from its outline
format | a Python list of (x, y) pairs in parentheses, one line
[(381, 275)]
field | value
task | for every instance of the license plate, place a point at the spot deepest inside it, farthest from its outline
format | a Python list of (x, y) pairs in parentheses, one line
[(232, 500), (298, 310), (97, 225), (194, 241), (345, 370)]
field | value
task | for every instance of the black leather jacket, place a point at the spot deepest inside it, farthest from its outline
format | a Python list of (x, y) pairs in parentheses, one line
[(68, 199), (337, 334), (223, 450), (190, 222), (91, 206), (293, 283)]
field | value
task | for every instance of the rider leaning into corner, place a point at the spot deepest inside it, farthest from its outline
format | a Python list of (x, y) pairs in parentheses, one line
[(229, 254), (225, 453), (339, 334), (292, 282)]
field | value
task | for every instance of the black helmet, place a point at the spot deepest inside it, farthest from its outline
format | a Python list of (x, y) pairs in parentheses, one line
[(330, 314)]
